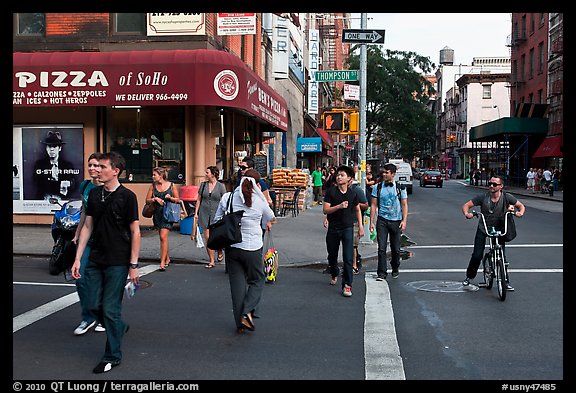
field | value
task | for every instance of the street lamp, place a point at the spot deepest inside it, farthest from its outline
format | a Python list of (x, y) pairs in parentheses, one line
[(496, 106)]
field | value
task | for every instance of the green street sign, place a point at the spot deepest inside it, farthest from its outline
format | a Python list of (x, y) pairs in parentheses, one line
[(336, 75)]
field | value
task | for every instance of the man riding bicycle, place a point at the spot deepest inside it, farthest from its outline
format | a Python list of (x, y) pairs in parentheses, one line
[(493, 205)]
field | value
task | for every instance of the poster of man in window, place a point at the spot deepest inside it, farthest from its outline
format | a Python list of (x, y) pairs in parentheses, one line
[(49, 163)]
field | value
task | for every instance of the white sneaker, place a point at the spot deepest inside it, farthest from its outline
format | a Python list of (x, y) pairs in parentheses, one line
[(99, 328), (83, 327), (347, 290)]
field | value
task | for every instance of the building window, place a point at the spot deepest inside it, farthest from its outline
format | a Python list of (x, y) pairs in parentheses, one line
[(540, 97), (486, 91), (129, 23), (541, 58), (31, 24), (147, 137), (531, 65)]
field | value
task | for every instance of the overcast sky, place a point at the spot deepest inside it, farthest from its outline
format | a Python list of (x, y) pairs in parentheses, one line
[(468, 34)]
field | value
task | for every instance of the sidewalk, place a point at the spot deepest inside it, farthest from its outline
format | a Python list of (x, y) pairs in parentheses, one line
[(300, 241), (523, 193)]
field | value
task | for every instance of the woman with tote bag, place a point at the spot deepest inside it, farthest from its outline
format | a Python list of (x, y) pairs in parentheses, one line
[(244, 259)]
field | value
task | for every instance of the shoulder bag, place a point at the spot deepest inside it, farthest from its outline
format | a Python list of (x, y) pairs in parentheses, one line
[(149, 209), (226, 231), (171, 210)]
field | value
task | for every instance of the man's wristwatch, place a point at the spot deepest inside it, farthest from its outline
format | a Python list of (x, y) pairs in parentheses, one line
[(133, 265)]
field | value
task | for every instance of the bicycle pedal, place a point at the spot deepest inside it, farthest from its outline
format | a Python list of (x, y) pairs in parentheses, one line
[(481, 285)]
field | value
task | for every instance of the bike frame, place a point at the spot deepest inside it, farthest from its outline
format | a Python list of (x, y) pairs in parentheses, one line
[(495, 257)]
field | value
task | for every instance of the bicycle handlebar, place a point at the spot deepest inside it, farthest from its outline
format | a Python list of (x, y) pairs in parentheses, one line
[(493, 232)]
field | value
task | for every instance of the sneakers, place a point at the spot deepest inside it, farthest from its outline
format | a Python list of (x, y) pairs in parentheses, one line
[(355, 270), (466, 282), (347, 290), (99, 328), (509, 287), (333, 280), (381, 277), (83, 327), (104, 367), (395, 273)]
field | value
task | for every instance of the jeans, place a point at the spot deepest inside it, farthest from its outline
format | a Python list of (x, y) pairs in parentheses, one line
[(105, 292), (247, 280), (333, 239), (385, 228), (478, 253), (82, 287)]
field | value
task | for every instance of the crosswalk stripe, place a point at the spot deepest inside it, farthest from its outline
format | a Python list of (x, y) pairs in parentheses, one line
[(29, 317)]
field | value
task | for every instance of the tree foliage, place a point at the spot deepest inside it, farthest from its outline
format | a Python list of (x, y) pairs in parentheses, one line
[(396, 98)]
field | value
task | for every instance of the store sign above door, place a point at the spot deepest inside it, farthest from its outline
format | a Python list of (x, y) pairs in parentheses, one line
[(308, 145), (146, 78)]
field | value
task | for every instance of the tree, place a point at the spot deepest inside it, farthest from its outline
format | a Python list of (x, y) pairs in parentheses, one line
[(396, 99)]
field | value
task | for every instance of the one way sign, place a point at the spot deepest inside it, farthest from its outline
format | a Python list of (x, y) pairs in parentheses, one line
[(359, 36)]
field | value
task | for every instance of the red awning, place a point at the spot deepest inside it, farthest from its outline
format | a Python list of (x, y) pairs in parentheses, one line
[(445, 159), (551, 146), (155, 77), (325, 137)]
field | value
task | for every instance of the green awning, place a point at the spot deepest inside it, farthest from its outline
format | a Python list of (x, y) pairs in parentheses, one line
[(509, 125)]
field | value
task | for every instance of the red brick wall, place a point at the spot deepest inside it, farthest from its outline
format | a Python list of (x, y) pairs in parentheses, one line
[(86, 24)]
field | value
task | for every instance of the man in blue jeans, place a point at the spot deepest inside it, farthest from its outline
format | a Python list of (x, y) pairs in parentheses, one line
[(390, 205), (342, 208), (112, 222)]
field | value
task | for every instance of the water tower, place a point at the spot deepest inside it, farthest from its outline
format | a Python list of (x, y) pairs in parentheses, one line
[(447, 56)]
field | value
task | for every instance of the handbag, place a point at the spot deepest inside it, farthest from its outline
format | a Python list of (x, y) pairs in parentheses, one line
[(227, 230), (171, 211), (148, 210), (270, 259), (199, 240), (510, 224)]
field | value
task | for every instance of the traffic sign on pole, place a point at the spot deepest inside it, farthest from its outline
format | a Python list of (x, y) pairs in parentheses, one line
[(361, 36), (336, 75)]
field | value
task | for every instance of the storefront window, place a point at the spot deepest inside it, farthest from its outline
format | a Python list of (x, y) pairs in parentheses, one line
[(31, 24), (147, 137), (129, 23)]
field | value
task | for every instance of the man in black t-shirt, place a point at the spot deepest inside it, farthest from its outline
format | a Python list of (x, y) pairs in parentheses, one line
[(341, 205), (112, 220)]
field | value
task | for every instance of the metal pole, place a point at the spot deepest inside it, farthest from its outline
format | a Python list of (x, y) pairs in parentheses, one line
[(362, 130)]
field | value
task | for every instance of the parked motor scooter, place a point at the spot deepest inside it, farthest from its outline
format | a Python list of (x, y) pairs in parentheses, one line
[(66, 220)]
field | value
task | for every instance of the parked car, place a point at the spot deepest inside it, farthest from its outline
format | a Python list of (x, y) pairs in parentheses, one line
[(433, 178)]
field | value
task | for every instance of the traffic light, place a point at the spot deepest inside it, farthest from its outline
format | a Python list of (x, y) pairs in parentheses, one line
[(450, 138), (334, 121), (354, 122)]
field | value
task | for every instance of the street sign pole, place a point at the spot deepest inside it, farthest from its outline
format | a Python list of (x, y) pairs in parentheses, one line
[(362, 128)]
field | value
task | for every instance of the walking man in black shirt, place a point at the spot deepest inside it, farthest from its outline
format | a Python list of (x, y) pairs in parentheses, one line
[(112, 221), (341, 205)]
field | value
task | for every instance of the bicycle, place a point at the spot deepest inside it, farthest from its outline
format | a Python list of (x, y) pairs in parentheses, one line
[(494, 263)]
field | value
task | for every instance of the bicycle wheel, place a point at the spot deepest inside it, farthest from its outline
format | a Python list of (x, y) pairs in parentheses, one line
[(487, 271), (500, 275)]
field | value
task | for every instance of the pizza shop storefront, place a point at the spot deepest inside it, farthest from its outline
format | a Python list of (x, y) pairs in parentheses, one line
[(181, 109)]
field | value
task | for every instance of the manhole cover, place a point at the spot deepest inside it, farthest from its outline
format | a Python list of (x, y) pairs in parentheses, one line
[(442, 286), (143, 284)]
